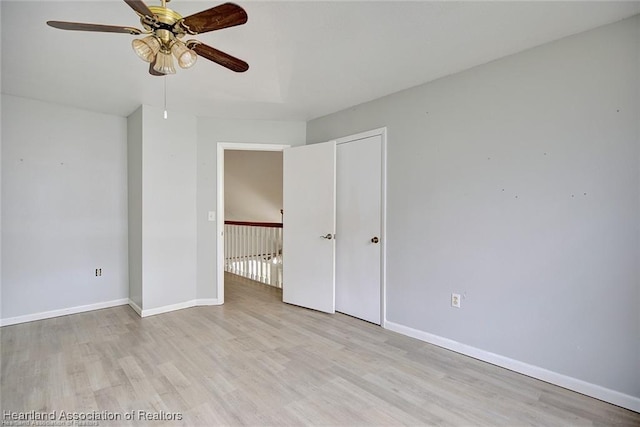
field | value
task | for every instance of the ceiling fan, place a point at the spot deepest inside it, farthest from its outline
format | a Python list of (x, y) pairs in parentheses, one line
[(164, 29)]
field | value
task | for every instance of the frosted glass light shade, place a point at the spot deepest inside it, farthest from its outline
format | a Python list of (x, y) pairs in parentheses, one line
[(164, 63), (146, 48), (186, 57)]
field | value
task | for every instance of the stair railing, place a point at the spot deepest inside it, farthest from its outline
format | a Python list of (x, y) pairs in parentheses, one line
[(254, 250)]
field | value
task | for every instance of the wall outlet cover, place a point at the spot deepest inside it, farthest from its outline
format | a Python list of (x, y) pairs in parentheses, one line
[(455, 300)]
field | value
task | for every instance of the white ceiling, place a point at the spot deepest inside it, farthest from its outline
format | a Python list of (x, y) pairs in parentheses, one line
[(307, 58)]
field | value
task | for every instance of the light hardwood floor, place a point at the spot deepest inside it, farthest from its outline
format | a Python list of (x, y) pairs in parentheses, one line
[(257, 361)]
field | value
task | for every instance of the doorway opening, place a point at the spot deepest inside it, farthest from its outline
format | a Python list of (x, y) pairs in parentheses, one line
[(250, 267)]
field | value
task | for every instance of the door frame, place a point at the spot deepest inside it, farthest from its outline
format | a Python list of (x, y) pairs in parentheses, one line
[(382, 132), (222, 146)]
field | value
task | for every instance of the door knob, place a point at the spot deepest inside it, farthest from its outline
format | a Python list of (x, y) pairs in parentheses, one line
[(375, 240), (329, 236)]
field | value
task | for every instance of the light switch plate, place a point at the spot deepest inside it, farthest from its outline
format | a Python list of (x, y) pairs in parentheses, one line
[(212, 216)]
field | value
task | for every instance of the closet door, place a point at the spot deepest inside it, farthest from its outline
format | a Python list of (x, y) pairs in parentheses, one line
[(358, 234), (309, 222)]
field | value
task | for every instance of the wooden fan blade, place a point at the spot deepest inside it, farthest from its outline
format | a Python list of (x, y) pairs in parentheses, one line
[(79, 26), (139, 7), (219, 57), (223, 16), (152, 71)]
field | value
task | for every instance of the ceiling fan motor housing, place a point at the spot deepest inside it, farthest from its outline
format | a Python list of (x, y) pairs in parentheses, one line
[(163, 27)]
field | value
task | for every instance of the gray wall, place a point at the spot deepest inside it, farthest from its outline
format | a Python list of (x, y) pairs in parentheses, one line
[(162, 186), (64, 207), (252, 186), (168, 208), (210, 132), (516, 184)]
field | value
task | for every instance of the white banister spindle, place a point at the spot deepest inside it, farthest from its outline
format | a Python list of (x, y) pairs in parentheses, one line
[(268, 257), (270, 244), (234, 249), (258, 257), (281, 259), (227, 247), (236, 255), (274, 252), (244, 250), (267, 250), (263, 258), (254, 252), (238, 258), (249, 251)]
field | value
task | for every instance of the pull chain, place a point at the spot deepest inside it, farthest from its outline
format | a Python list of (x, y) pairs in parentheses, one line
[(165, 96)]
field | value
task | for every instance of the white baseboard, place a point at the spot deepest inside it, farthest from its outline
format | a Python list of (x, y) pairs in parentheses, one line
[(589, 389), (167, 308), (107, 304), (172, 307), (62, 312), (208, 301)]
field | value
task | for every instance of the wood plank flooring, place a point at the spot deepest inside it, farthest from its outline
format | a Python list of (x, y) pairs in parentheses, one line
[(257, 361)]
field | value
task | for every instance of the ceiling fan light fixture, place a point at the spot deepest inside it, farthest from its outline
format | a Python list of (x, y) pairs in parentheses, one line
[(164, 63), (186, 57), (146, 48)]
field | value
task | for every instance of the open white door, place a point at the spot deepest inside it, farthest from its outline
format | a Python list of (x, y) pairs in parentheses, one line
[(309, 221)]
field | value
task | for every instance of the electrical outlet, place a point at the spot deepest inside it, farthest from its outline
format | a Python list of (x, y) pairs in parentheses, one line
[(98, 272), (455, 300)]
